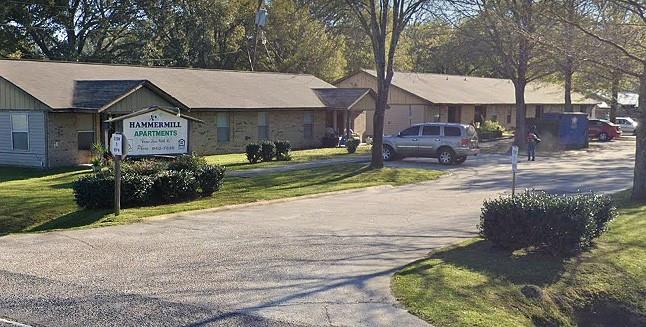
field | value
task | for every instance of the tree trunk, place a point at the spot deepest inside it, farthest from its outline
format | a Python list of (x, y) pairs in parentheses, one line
[(567, 75), (639, 182), (614, 97), (377, 160), (520, 137)]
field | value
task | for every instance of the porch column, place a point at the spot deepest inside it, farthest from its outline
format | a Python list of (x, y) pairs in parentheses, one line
[(334, 119), (347, 123)]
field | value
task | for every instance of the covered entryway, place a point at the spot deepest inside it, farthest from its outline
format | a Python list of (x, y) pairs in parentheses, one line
[(346, 112)]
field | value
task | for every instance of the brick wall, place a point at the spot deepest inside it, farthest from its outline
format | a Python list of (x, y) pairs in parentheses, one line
[(283, 125), (62, 136)]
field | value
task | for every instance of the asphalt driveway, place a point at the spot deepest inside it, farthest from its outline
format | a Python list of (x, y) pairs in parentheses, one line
[(323, 261)]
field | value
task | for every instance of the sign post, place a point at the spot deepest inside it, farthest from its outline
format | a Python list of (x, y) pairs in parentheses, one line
[(116, 148), (514, 168)]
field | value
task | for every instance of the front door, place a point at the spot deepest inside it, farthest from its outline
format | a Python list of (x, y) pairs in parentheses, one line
[(408, 141), (454, 114), (429, 141)]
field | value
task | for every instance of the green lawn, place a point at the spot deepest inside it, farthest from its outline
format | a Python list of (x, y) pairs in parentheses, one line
[(472, 284), (36, 201), (238, 161)]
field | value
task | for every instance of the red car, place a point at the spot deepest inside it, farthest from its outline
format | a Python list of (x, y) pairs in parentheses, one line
[(603, 130)]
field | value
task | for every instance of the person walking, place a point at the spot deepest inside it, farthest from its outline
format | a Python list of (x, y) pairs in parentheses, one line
[(532, 141)]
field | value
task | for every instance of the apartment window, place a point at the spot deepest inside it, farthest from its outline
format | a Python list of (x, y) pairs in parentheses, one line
[(85, 140), (20, 131), (308, 125), (263, 126), (222, 124)]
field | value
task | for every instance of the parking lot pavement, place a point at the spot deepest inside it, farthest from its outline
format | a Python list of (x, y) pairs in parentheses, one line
[(323, 261)]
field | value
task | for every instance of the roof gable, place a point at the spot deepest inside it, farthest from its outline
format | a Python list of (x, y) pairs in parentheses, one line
[(342, 98)]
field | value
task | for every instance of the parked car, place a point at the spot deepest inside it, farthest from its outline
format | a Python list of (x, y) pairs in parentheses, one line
[(603, 130), (449, 143), (627, 124)]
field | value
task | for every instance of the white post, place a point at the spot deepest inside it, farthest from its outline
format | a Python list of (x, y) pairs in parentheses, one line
[(514, 168)]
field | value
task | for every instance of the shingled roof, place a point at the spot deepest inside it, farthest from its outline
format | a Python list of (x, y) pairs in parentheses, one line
[(342, 98), (55, 84), (454, 89)]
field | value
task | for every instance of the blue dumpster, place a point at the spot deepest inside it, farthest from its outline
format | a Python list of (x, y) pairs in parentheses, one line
[(570, 129)]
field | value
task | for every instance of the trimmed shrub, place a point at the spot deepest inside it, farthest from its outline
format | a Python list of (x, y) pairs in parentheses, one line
[(490, 129), (267, 150), (282, 150), (352, 145), (146, 167), (210, 178), (559, 224), (175, 185), (187, 162), (253, 152), (94, 191), (136, 189)]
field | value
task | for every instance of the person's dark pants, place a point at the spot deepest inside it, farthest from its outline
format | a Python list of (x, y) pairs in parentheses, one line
[(531, 151)]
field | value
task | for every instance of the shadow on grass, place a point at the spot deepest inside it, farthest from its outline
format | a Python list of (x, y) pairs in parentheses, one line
[(8, 174), (74, 219), (527, 268)]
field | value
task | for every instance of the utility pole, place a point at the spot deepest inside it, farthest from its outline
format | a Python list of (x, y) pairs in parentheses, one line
[(260, 22)]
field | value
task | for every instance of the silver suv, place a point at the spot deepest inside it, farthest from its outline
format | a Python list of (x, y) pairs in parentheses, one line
[(450, 143)]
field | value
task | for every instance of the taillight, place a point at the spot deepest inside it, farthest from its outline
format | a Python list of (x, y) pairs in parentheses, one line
[(465, 142)]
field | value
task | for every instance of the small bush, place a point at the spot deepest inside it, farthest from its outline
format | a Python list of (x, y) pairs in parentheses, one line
[(146, 167), (253, 152), (559, 224), (94, 191), (136, 189), (210, 178), (352, 145), (175, 185), (267, 150), (187, 162), (282, 150), (490, 129)]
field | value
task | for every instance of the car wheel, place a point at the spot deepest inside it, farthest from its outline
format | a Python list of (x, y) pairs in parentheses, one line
[(603, 137), (388, 153), (446, 156), (460, 160)]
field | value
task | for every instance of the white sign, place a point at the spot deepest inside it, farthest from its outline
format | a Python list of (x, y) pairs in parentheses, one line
[(514, 158), (154, 133), (116, 144)]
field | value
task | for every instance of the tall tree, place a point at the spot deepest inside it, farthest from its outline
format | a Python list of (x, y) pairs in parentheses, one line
[(632, 60), (510, 26), (97, 30), (383, 21), (296, 42)]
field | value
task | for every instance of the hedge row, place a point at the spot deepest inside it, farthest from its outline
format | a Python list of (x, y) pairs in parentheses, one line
[(559, 224), (148, 182), (267, 151)]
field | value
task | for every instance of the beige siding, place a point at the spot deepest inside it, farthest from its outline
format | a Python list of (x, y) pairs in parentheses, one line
[(395, 96), (13, 98), (283, 125), (359, 127), (63, 138), (142, 98)]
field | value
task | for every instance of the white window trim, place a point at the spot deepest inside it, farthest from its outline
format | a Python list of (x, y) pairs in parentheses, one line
[(11, 114), (265, 125), (228, 127)]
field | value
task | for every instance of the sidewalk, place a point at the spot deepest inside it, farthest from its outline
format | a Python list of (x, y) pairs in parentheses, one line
[(298, 166)]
